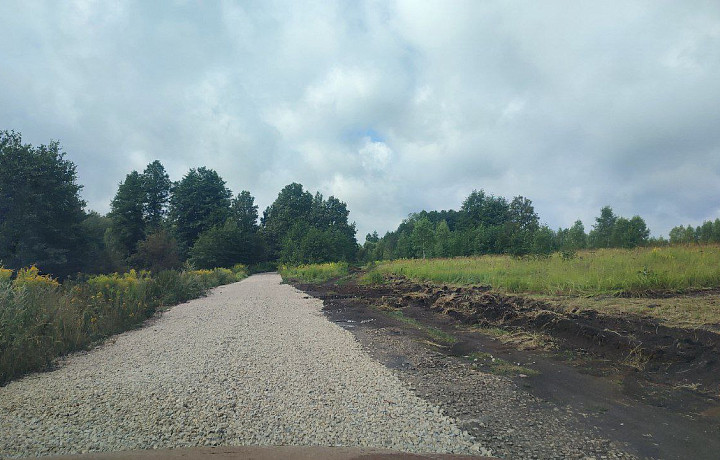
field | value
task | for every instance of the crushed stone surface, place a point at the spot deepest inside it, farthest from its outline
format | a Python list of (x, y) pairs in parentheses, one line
[(253, 363)]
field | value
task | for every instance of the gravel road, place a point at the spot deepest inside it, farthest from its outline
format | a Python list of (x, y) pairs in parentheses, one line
[(254, 363)]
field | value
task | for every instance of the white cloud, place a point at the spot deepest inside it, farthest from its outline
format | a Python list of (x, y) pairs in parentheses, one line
[(374, 156)]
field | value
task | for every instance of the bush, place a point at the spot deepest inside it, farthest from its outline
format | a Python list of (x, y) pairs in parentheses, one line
[(157, 252)]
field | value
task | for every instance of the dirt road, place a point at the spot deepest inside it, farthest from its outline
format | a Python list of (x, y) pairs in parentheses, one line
[(254, 363)]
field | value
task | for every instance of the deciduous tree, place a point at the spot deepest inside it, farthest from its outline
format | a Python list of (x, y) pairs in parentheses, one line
[(199, 202), (40, 207), (156, 185), (601, 235), (245, 212), (423, 237), (127, 214), (576, 237)]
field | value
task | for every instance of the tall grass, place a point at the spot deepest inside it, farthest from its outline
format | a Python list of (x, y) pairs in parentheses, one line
[(41, 319), (605, 271), (314, 273)]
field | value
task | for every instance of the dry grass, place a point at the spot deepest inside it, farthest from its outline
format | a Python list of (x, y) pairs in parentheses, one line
[(686, 311)]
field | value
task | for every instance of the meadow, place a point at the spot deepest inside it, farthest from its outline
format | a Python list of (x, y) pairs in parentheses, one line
[(41, 319), (587, 273)]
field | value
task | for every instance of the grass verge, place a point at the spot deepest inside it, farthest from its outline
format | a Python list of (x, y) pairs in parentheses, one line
[(41, 319)]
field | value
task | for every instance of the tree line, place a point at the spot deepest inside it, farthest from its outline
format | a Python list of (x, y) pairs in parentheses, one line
[(708, 232), (155, 223), (488, 224)]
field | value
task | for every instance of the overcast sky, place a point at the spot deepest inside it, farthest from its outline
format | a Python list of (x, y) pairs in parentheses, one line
[(392, 106)]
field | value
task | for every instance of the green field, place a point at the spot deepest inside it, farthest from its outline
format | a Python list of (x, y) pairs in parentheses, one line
[(604, 271)]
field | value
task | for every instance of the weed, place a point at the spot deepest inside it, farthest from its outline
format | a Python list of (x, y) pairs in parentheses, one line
[(372, 277), (636, 358), (525, 340)]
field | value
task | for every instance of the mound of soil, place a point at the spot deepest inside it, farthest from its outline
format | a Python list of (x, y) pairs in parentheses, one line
[(628, 379), (668, 355), (665, 354)]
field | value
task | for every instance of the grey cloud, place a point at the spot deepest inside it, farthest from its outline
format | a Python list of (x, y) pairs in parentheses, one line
[(574, 105)]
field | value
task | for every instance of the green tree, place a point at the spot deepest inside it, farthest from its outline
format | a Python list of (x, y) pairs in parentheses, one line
[(245, 212), (127, 214), (576, 237), (705, 232), (521, 226), (716, 231), (98, 257), (423, 237), (157, 252), (40, 207), (543, 241), (639, 233), (199, 202), (601, 235), (443, 243), (689, 236), (676, 234), (292, 205), (522, 215), (621, 235), (226, 245), (404, 247), (369, 250), (482, 209), (156, 186), (297, 223)]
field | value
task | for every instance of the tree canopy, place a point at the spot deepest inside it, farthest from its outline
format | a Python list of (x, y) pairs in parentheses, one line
[(127, 213), (199, 202), (156, 185), (302, 228), (41, 211)]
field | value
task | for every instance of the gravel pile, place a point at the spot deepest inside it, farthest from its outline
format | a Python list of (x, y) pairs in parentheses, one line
[(254, 363)]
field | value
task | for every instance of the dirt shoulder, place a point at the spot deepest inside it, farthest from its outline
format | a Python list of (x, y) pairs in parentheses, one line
[(531, 379)]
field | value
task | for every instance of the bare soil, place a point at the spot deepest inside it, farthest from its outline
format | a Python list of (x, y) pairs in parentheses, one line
[(580, 383)]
